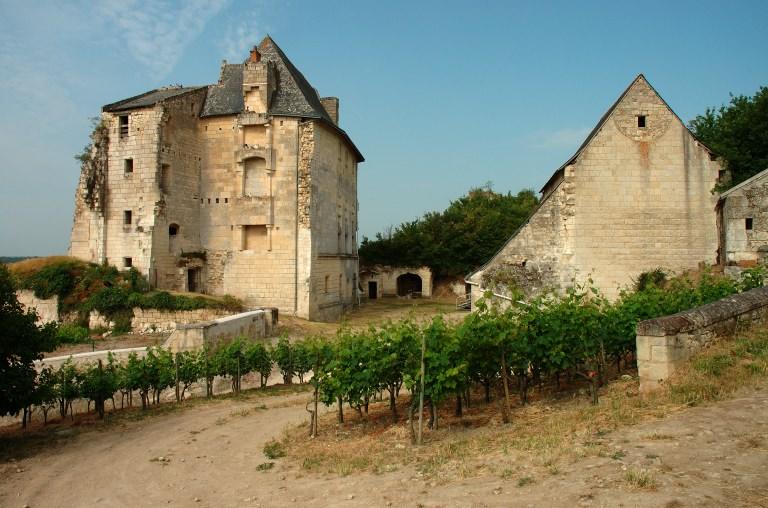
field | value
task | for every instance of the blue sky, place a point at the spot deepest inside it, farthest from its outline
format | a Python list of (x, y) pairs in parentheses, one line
[(439, 96)]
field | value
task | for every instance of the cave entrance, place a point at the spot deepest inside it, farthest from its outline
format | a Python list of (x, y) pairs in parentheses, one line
[(409, 284)]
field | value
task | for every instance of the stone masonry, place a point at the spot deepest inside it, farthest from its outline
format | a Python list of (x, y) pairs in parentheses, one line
[(246, 187), (637, 195), (743, 217)]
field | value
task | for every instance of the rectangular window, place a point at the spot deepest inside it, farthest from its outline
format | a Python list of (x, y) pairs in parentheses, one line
[(748, 223), (127, 262), (123, 126), (641, 121), (128, 166), (127, 217)]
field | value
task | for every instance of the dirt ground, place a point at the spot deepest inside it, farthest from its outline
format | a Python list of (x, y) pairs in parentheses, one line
[(209, 455)]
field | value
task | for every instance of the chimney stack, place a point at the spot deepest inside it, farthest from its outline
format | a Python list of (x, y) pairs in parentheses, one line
[(255, 56)]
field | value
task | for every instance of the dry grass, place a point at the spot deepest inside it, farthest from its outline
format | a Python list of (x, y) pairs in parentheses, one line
[(375, 312), (545, 434), (28, 266)]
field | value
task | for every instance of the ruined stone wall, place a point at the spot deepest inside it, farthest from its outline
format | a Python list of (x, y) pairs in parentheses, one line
[(746, 247), (643, 197), (179, 184), (386, 279), (536, 257), (47, 309), (333, 225), (136, 191)]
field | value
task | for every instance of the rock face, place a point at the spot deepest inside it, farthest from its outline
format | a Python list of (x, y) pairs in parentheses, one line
[(637, 195), (246, 187)]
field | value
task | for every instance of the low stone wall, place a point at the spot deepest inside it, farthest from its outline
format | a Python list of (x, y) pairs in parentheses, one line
[(120, 355), (666, 342), (153, 320), (47, 310), (254, 324)]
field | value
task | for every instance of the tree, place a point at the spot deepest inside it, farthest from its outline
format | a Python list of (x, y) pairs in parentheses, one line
[(738, 133), (21, 343), (456, 240)]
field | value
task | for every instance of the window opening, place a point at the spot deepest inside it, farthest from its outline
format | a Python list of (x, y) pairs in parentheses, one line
[(127, 217), (127, 262), (123, 126), (641, 121), (748, 223), (173, 230), (128, 166)]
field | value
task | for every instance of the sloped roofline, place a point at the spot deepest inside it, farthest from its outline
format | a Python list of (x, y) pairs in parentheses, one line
[(559, 171), (607, 115), (117, 106), (311, 97), (745, 183)]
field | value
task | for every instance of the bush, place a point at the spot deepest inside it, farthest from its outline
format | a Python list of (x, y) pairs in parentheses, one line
[(72, 334)]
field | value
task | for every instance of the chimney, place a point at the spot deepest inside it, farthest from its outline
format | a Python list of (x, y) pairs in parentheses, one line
[(255, 56), (331, 105)]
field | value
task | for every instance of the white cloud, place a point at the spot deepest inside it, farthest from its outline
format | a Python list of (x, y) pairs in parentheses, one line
[(562, 138), (242, 36), (156, 33)]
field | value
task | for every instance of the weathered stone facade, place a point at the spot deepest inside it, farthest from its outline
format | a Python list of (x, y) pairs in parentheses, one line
[(381, 281), (246, 187), (743, 215), (636, 195)]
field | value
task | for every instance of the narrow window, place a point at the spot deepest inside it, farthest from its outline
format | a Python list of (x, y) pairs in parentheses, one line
[(226, 200), (326, 283), (748, 223), (165, 178), (127, 262), (641, 121), (173, 230), (127, 217), (128, 166), (217, 201), (123, 126)]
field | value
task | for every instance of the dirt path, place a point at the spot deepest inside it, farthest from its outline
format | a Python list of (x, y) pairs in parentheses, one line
[(711, 456)]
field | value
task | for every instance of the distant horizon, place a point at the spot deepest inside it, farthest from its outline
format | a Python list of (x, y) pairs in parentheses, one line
[(443, 99)]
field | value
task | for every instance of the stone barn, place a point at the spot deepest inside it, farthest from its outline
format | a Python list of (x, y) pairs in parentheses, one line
[(245, 187), (743, 220), (636, 195), (382, 281)]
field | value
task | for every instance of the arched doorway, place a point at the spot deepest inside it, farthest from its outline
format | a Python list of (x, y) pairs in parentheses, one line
[(408, 283)]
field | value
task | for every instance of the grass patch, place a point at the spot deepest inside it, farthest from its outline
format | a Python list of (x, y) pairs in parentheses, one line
[(274, 450), (640, 479), (525, 480), (265, 466)]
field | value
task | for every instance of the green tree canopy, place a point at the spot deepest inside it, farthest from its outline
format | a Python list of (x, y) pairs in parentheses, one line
[(737, 132), (21, 343), (456, 240)]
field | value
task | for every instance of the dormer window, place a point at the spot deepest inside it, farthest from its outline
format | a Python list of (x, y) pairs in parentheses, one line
[(641, 121)]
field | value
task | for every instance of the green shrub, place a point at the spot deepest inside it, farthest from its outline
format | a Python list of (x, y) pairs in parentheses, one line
[(72, 334), (57, 279), (274, 450)]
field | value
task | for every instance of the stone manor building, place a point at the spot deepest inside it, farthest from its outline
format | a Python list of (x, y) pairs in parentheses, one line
[(246, 187), (636, 195)]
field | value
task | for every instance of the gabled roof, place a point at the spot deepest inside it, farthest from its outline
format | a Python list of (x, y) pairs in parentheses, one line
[(559, 171), (149, 98), (604, 119), (745, 183)]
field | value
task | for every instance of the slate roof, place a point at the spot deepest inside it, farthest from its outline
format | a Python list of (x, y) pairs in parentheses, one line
[(148, 99), (226, 97), (294, 95)]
